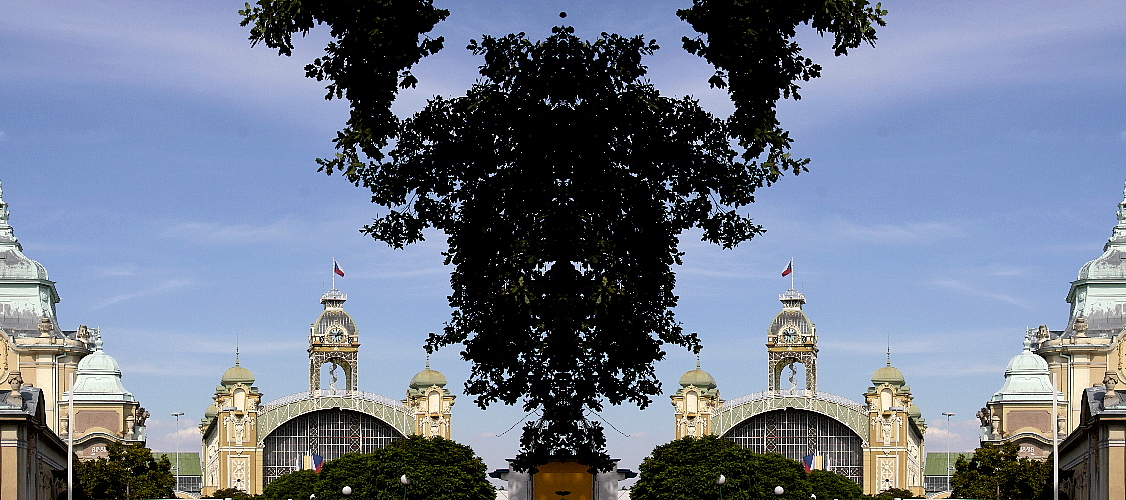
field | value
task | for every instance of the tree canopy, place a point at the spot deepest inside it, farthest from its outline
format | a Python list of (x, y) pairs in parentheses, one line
[(687, 469), (125, 473), (996, 472), (438, 469), (563, 181)]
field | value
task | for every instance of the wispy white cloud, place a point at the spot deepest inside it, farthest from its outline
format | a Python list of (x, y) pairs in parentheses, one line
[(907, 233), (962, 436), (962, 287), (161, 288), (234, 234)]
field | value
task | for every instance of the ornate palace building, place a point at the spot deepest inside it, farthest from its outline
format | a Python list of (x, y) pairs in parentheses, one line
[(877, 443), (248, 443), (1078, 367), (38, 360)]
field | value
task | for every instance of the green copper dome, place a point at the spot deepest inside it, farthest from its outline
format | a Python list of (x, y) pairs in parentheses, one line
[(427, 378), (698, 378), (888, 375), (211, 412), (237, 375)]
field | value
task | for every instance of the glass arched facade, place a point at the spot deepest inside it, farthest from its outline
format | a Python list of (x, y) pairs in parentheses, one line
[(328, 433), (798, 433)]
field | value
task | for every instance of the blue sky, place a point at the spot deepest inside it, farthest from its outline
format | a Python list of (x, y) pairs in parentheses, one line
[(963, 170)]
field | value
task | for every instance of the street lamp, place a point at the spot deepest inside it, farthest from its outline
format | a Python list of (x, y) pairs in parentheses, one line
[(778, 491), (347, 490), (177, 415), (948, 415), (405, 481), (719, 481)]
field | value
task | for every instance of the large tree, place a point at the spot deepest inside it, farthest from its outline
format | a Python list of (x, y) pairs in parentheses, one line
[(997, 472), (126, 472), (563, 181)]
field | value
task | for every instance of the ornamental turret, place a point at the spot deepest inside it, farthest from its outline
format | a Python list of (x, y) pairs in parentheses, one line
[(894, 456), (334, 339), (430, 401), (791, 339), (231, 455), (695, 403)]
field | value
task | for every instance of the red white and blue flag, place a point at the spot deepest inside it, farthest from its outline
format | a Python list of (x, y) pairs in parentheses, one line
[(785, 272), (340, 272)]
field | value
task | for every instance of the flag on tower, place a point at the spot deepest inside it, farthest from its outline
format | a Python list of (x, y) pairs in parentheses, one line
[(340, 272), (785, 272)]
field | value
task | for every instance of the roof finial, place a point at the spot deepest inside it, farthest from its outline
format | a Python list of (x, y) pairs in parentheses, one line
[(889, 354), (427, 361), (236, 348), (697, 360)]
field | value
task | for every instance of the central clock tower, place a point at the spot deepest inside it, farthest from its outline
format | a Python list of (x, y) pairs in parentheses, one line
[(333, 338), (791, 338)]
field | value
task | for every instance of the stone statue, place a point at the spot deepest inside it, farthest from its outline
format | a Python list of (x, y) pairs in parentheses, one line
[(1042, 334), (986, 424), (332, 372), (1080, 327), (83, 334), (141, 416), (15, 380), (1111, 399), (45, 327), (793, 372)]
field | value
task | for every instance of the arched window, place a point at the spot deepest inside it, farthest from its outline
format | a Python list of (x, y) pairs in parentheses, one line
[(328, 433), (797, 433)]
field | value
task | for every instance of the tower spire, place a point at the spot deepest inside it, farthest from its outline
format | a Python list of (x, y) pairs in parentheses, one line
[(6, 234), (889, 354)]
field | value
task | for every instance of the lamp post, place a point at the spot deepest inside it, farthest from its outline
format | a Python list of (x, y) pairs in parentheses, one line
[(405, 481), (347, 490), (948, 415), (177, 415), (778, 491), (720, 481)]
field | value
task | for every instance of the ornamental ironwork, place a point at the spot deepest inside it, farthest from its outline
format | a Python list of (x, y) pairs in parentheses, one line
[(273, 414), (326, 433), (799, 433)]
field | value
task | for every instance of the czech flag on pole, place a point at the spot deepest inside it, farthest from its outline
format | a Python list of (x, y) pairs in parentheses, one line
[(340, 272), (785, 272)]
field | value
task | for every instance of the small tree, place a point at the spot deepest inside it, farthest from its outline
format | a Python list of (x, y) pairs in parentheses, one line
[(232, 493), (438, 469), (828, 484), (997, 473), (686, 469), (297, 484), (126, 473), (892, 493)]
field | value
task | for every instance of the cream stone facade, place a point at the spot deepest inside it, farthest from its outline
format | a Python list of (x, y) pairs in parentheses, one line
[(894, 457), (878, 443), (45, 359), (248, 442), (430, 401), (695, 403), (231, 454)]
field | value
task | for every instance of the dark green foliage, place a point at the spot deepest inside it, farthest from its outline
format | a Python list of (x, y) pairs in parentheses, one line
[(893, 493), (686, 469), (375, 43), (996, 472), (297, 485), (563, 182), (233, 494), (751, 44), (829, 485), (126, 473), (439, 469)]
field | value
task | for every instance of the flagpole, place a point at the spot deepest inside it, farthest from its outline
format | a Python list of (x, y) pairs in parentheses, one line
[(334, 273), (791, 273)]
